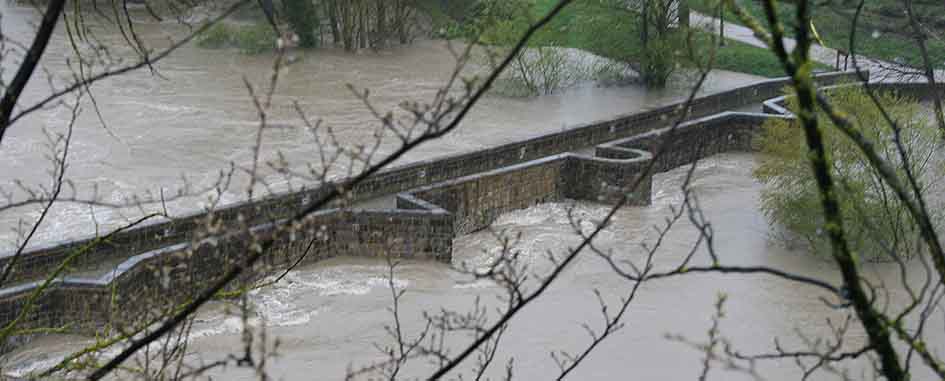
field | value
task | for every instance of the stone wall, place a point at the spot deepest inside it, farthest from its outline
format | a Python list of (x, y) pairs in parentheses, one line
[(476, 201), (37, 262), (694, 140), (915, 90), (457, 194), (145, 284), (606, 179)]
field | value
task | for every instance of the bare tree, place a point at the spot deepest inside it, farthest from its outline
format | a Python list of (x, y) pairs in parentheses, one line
[(155, 344), (895, 334)]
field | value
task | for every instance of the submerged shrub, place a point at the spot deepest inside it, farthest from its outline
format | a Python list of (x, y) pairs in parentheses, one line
[(217, 37), (249, 39), (876, 223), (256, 38), (303, 19)]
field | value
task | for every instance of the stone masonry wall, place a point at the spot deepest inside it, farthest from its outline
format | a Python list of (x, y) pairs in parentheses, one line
[(37, 262), (697, 139), (166, 266), (146, 284), (476, 201), (606, 178)]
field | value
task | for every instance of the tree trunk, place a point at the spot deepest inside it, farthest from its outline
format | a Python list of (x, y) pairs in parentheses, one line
[(682, 12), (380, 33), (332, 11)]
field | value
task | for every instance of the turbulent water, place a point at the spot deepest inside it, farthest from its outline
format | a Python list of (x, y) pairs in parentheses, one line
[(329, 316), (198, 118)]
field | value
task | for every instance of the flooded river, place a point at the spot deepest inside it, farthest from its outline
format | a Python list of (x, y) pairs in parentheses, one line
[(197, 118), (329, 316)]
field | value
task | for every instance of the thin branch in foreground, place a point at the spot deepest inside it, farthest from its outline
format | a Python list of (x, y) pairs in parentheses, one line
[(332, 193), (13, 90), (8, 118)]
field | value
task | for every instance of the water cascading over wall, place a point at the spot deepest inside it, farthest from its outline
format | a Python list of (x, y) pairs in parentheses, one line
[(438, 200)]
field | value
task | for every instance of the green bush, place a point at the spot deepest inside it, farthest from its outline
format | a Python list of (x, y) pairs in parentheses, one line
[(217, 37), (255, 39), (875, 222), (303, 19), (660, 60), (500, 22), (249, 39)]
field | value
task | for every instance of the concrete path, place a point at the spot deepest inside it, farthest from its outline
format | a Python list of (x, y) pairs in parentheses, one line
[(879, 70)]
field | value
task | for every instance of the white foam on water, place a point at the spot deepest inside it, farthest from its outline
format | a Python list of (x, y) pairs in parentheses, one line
[(18, 150), (552, 213), (543, 227), (218, 325), (34, 366), (476, 284), (282, 304), (70, 221), (706, 177), (162, 109), (38, 363), (278, 305)]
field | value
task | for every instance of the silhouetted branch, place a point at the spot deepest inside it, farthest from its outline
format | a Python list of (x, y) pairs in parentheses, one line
[(333, 191), (13, 90)]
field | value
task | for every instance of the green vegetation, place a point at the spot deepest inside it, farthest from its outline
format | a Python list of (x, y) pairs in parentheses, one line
[(883, 30), (875, 221), (249, 39), (304, 20), (218, 36), (350, 24), (444, 15), (605, 29), (739, 56), (609, 33), (541, 69)]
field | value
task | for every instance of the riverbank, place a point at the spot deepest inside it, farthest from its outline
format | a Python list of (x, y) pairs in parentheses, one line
[(199, 120), (330, 315), (610, 33), (883, 30)]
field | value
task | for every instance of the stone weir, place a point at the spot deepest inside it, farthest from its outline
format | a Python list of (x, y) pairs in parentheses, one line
[(157, 265)]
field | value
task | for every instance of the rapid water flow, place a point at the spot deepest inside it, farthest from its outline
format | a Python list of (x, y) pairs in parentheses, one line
[(332, 314), (196, 119)]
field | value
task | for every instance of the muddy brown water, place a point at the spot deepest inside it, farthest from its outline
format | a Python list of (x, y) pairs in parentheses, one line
[(329, 316), (197, 118)]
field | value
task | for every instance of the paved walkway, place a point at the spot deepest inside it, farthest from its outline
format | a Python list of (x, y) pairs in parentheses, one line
[(879, 70)]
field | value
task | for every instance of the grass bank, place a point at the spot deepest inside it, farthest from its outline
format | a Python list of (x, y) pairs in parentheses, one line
[(610, 34), (252, 38), (883, 30)]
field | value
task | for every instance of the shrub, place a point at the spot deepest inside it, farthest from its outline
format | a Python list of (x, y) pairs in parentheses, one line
[(249, 39), (544, 69), (303, 18), (660, 60), (256, 38), (498, 22), (875, 222), (217, 37)]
